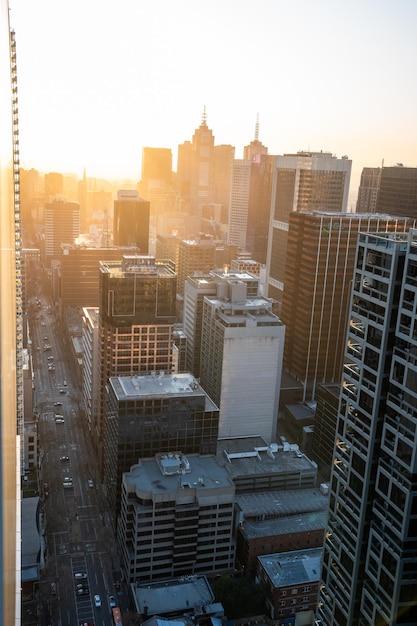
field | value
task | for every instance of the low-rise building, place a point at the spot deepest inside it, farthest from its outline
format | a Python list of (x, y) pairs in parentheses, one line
[(293, 579)]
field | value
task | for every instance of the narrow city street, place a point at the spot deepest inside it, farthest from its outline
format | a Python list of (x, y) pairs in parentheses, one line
[(81, 560)]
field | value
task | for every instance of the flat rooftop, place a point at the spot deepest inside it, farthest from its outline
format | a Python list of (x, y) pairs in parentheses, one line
[(173, 596), (243, 459), (203, 473), (278, 512), (293, 568), (158, 385)]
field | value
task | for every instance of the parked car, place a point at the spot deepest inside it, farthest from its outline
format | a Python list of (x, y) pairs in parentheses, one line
[(97, 601), (64, 459), (80, 576), (112, 602)]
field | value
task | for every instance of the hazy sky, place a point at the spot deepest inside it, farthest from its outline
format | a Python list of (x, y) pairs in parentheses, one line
[(99, 79)]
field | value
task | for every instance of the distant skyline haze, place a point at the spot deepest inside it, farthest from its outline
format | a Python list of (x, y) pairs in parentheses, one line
[(98, 81)]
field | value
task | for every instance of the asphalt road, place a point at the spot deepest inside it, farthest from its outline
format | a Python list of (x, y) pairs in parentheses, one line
[(77, 532)]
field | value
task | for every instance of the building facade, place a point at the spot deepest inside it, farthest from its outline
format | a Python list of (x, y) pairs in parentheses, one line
[(10, 328), (306, 181), (369, 566), (242, 344), (137, 316), (176, 518), (62, 225), (398, 191), (145, 415), (319, 270), (131, 221)]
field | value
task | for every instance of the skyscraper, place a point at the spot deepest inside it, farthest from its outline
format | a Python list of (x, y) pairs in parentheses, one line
[(398, 191), (306, 181), (319, 270), (195, 162), (370, 566), (10, 329), (137, 315), (368, 190), (131, 221), (62, 225)]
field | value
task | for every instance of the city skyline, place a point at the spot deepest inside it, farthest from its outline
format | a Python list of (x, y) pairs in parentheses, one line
[(97, 82)]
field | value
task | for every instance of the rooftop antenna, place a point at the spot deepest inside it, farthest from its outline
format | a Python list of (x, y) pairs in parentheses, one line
[(257, 128), (204, 118)]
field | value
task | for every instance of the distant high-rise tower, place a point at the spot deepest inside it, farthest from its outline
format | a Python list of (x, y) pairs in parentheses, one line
[(242, 344), (131, 221), (62, 225), (195, 168), (54, 184), (306, 181), (319, 271), (195, 255), (398, 191), (156, 184), (370, 567), (11, 372), (368, 190), (239, 203)]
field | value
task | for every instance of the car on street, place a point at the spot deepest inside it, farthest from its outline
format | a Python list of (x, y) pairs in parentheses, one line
[(83, 592), (61, 391), (57, 403), (68, 484), (97, 601), (90, 483), (64, 459), (80, 576), (59, 420), (112, 602)]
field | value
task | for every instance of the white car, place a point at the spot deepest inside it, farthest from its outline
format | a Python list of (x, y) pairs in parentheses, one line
[(97, 601), (90, 483)]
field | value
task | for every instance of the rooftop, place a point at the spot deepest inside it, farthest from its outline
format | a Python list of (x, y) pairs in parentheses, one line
[(158, 384), (173, 596), (293, 568), (277, 512), (157, 477)]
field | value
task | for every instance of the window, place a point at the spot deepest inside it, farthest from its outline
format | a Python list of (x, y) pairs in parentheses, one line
[(283, 592), (294, 591)]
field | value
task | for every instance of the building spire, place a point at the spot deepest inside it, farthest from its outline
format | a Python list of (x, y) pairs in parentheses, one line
[(257, 128), (204, 117)]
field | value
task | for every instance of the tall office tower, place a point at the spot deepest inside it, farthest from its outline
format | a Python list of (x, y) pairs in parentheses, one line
[(156, 184), (82, 200), (194, 170), (259, 209), (10, 328), (368, 190), (78, 283), (53, 184), (242, 345), (191, 495), (62, 225), (196, 288), (223, 157), (154, 413), (137, 315), (370, 567), (196, 255), (239, 203), (131, 221), (306, 181), (398, 191), (319, 270)]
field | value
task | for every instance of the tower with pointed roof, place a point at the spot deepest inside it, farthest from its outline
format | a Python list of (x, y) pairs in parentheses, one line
[(195, 164)]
